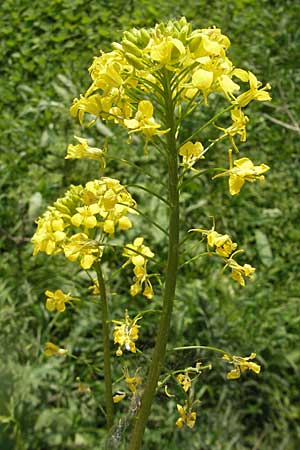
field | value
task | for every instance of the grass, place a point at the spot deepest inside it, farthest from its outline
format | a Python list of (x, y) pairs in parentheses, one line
[(54, 404)]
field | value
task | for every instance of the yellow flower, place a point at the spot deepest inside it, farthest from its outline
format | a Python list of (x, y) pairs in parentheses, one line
[(80, 246), (166, 51), (124, 223), (239, 123), (91, 105), (184, 380), (144, 121), (241, 365), (228, 86), (238, 272), (126, 333), (86, 216), (191, 152), (254, 93), (187, 416), (83, 150), (222, 242), (49, 235), (244, 170), (57, 300), (132, 382), (53, 350), (95, 287), (137, 254), (119, 396), (202, 79)]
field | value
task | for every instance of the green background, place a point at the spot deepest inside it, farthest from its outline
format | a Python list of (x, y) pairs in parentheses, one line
[(45, 49)]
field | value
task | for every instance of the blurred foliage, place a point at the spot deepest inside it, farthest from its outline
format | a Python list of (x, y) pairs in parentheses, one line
[(45, 48)]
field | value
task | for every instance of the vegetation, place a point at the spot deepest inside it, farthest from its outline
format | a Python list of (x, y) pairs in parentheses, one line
[(54, 403)]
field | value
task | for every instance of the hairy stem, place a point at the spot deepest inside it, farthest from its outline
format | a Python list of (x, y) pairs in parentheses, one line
[(170, 283), (106, 347)]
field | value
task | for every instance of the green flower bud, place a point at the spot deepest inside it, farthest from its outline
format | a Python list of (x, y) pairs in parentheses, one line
[(132, 35), (194, 43), (137, 63), (131, 48), (144, 37)]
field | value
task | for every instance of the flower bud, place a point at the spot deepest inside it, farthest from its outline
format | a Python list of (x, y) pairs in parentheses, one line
[(134, 61), (131, 35), (131, 48), (144, 37)]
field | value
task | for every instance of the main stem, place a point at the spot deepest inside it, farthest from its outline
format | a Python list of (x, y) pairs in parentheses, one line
[(170, 283), (106, 348)]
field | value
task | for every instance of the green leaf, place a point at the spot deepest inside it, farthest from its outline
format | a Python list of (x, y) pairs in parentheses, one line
[(263, 248), (35, 203)]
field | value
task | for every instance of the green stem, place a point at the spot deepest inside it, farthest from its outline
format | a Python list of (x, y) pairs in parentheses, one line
[(106, 347), (170, 283), (150, 192), (202, 347), (194, 134)]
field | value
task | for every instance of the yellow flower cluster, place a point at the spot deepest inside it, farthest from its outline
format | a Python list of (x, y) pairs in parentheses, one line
[(238, 272), (137, 254), (136, 68), (75, 221), (225, 247), (187, 416), (241, 365), (132, 384), (125, 333), (222, 242)]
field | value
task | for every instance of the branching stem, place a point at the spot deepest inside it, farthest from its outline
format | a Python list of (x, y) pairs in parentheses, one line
[(171, 271)]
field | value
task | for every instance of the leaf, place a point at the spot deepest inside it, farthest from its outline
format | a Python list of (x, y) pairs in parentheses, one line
[(104, 130), (67, 82), (62, 92), (6, 419), (44, 138), (35, 203), (263, 248)]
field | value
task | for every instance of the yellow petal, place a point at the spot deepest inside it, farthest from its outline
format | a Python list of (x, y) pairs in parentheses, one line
[(235, 184), (234, 374), (124, 223), (146, 108), (227, 85), (50, 304), (202, 79), (76, 220), (179, 422), (87, 261), (109, 226), (118, 397)]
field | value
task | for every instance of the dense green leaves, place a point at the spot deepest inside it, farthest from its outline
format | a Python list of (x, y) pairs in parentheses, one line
[(45, 49)]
